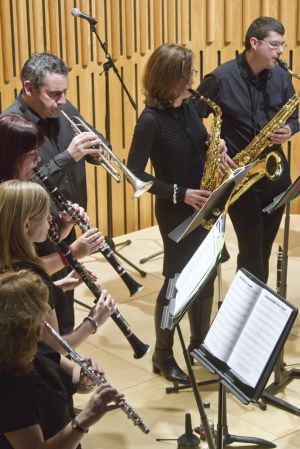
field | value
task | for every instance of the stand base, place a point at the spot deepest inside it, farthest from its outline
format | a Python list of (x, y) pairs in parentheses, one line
[(126, 243), (145, 259), (176, 387), (229, 439), (269, 393)]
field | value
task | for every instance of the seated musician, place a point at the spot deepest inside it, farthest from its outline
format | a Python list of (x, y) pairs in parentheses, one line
[(36, 388), (24, 216)]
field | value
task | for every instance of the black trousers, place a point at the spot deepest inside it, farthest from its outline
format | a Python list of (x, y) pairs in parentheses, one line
[(255, 229)]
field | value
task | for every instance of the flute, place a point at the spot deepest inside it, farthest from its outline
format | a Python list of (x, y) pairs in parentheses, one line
[(63, 204), (97, 378), (139, 348)]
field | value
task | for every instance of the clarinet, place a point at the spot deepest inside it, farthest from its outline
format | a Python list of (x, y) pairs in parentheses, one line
[(139, 348), (63, 204), (96, 377)]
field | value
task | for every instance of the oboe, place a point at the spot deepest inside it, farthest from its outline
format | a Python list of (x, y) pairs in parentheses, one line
[(63, 204), (139, 348), (97, 378)]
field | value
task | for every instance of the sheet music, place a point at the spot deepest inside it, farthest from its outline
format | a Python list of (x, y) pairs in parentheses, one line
[(198, 267), (259, 337), (232, 316)]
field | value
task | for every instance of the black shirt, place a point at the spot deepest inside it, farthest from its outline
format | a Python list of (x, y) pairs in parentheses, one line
[(42, 396), (248, 103), (56, 161)]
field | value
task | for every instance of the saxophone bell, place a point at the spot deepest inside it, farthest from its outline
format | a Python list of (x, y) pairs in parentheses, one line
[(270, 166)]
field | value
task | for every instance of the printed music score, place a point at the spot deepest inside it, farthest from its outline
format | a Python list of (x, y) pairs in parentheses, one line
[(247, 328), (198, 268)]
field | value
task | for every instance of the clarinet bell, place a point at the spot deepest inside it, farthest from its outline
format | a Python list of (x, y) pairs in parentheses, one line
[(132, 285), (139, 348)]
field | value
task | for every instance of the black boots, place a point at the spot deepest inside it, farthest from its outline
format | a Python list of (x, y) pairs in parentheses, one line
[(163, 360), (199, 317)]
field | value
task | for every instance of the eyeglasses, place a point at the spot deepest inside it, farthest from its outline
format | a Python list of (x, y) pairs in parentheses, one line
[(194, 73), (274, 45)]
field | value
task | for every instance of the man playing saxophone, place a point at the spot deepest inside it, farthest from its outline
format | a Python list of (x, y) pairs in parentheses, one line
[(251, 90)]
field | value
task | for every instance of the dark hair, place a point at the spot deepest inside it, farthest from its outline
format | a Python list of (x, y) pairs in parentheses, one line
[(38, 65), (18, 136), (166, 74), (261, 27)]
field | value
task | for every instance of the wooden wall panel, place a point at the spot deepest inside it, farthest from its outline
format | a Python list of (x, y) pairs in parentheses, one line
[(131, 30)]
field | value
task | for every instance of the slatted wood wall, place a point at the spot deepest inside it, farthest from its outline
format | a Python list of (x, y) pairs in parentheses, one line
[(132, 29)]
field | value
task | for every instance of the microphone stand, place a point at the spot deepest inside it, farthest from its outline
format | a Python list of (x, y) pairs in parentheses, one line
[(106, 67)]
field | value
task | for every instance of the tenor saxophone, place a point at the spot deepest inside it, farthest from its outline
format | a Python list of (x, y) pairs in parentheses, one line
[(271, 165)]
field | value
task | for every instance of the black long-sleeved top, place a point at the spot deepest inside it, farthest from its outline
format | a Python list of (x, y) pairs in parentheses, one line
[(248, 103), (56, 162), (174, 140)]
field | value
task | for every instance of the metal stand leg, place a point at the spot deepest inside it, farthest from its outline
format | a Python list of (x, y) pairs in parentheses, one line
[(223, 436), (145, 259)]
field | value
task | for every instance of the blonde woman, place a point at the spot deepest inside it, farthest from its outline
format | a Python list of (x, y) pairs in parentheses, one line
[(24, 217)]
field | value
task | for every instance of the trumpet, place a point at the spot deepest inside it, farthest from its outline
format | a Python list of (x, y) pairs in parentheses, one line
[(139, 348), (63, 204), (95, 377), (78, 126)]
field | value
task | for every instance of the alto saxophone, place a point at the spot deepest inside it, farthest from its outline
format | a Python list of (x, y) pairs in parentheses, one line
[(212, 177)]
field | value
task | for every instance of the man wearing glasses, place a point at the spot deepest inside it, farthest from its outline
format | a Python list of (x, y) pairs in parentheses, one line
[(250, 90)]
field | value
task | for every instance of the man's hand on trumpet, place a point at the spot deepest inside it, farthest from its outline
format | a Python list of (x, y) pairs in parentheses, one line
[(84, 144)]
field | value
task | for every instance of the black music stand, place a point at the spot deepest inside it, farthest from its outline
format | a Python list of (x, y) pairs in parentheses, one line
[(234, 382), (181, 298), (282, 376), (106, 67), (213, 208)]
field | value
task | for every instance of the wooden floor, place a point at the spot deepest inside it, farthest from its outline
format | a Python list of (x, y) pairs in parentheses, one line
[(146, 392)]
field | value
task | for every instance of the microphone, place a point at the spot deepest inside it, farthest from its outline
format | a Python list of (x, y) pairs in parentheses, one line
[(77, 13)]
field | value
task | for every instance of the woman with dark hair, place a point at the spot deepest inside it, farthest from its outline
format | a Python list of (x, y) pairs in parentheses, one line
[(170, 134), (20, 141), (36, 388)]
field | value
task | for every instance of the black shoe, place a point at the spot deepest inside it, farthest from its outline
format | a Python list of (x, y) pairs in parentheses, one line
[(170, 370)]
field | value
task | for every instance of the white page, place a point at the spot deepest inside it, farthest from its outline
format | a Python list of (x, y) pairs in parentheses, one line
[(232, 316), (198, 266), (259, 337)]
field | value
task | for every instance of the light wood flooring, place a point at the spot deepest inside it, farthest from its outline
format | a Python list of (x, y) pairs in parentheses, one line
[(146, 392)]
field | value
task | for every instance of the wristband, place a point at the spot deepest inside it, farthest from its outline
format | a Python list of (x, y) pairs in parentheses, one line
[(175, 189), (76, 426), (92, 321)]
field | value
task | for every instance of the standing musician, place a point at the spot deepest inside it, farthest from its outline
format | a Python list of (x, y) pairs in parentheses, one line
[(45, 82), (24, 217), (170, 134), (250, 90), (36, 388)]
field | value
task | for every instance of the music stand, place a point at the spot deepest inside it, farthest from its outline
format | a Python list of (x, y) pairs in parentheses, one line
[(245, 380), (182, 290), (214, 206), (282, 376), (106, 67)]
